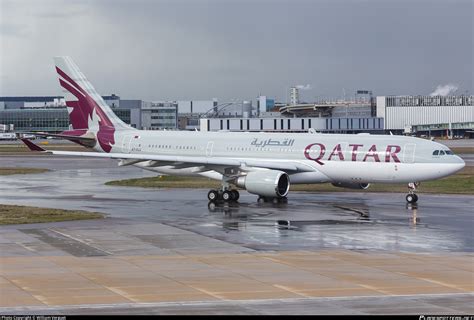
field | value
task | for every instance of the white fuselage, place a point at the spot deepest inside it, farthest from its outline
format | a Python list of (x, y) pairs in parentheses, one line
[(359, 158)]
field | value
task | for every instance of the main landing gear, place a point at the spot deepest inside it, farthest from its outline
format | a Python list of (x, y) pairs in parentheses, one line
[(223, 195), (411, 196)]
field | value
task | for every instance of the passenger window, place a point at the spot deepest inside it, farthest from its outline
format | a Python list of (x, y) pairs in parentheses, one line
[(441, 153), (436, 152)]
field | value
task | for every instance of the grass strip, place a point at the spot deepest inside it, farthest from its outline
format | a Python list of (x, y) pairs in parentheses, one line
[(10, 171), (10, 214)]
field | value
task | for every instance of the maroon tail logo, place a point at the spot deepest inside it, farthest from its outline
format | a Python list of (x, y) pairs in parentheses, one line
[(83, 110)]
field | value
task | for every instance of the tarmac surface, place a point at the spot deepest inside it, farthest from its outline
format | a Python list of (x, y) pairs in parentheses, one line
[(168, 251)]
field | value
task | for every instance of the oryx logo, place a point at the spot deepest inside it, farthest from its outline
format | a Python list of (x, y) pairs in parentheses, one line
[(85, 113)]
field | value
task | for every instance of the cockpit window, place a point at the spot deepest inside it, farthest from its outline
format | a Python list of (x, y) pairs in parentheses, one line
[(442, 152)]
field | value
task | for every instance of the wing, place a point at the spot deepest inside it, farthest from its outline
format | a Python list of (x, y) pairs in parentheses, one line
[(220, 164)]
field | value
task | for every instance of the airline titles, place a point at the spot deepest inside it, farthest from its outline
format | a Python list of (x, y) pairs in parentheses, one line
[(317, 151)]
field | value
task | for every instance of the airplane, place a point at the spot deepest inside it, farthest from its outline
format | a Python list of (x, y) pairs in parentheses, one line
[(264, 164)]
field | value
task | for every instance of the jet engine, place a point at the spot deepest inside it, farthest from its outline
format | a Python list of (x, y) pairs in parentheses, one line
[(266, 183), (349, 185)]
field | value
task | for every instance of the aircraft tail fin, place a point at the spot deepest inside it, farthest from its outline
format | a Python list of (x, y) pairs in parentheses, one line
[(87, 109)]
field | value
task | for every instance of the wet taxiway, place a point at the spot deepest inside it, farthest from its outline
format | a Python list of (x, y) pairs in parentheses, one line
[(316, 245), (351, 220)]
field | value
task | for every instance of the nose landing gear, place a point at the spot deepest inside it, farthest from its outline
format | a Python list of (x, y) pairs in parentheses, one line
[(411, 196)]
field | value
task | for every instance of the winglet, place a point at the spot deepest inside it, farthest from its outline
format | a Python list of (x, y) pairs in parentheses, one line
[(32, 146)]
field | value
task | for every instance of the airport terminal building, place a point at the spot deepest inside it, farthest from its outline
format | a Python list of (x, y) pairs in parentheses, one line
[(44, 113), (279, 124), (429, 115), (49, 113)]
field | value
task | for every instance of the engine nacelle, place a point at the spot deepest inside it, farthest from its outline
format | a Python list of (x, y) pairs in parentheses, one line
[(360, 186), (268, 183)]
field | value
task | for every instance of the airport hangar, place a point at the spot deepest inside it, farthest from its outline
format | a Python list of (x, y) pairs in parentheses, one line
[(451, 116)]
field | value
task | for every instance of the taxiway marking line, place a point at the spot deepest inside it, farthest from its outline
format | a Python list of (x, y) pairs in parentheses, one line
[(120, 293), (80, 241), (207, 292), (26, 247), (374, 289), (279, 286), (444, 284)]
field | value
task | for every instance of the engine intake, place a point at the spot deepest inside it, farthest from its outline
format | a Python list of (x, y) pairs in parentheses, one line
[(267, 183), (360, 186)]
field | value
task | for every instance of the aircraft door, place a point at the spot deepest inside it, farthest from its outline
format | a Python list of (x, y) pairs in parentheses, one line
[(409, 153), (126, 141), (210, 146)]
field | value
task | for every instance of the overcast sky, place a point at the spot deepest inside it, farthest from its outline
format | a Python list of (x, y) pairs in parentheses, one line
[(193, 49)]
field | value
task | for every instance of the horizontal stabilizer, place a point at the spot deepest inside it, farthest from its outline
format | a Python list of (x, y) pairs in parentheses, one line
[(63, 136), (32, 146), (87, 141)]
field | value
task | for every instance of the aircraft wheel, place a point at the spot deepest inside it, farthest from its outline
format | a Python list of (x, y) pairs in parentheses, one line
[(235, 195), (411, 198), (261, 199), (213, 195), (227, 195)]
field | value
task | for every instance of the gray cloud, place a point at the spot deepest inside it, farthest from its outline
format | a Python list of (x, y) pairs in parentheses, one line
[(237, 49)]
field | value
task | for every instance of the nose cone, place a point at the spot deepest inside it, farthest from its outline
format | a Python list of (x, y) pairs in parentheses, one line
[(456, 165), (460, 163), (448, 168)]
